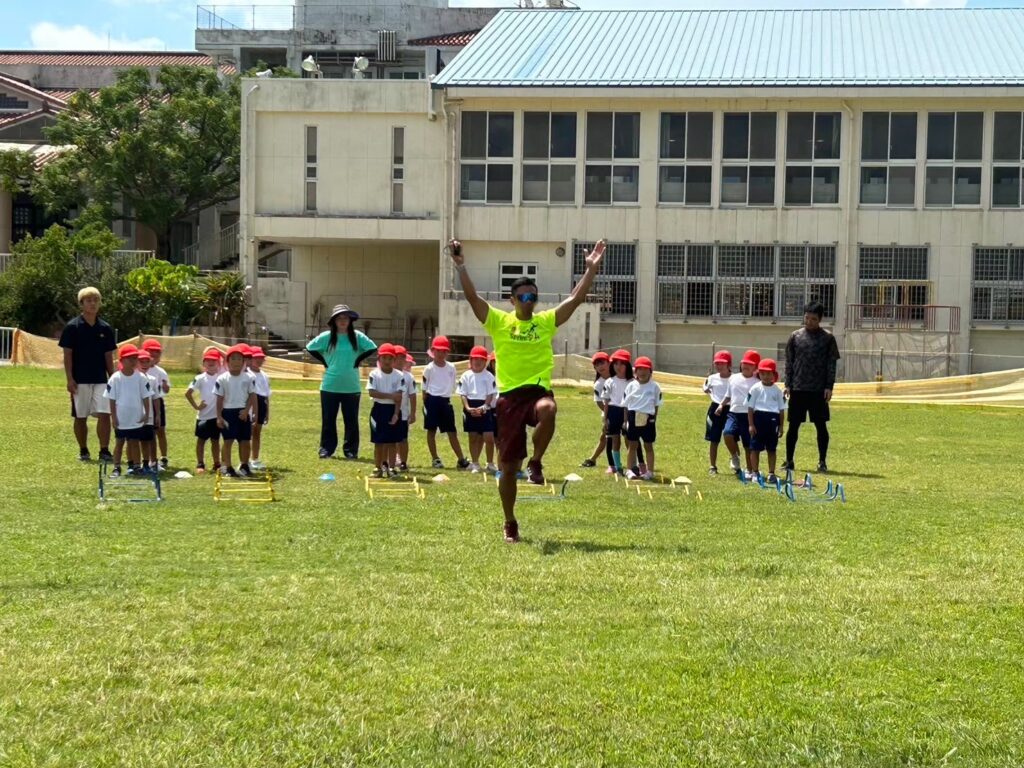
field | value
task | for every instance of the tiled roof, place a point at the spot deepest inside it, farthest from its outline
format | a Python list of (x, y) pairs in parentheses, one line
[(66, 93), (825, 48), (106, 58), (450, 40), (8, 83), (42, 154)]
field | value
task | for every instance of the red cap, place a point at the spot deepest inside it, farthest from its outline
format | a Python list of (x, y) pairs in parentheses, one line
[(621, 355), (152, 345), (400, 351), (751, 357), (442, 343), (386, 349), (127, 350), (600, 357), (644, 362), (768, 365), (410, 359), (212, 354), (478, 353), (723, 357), (258, 353), (144, 355), (247, 350), (238, 349)]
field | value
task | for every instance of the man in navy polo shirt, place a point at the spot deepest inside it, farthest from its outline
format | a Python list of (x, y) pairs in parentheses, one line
[(89, 345)]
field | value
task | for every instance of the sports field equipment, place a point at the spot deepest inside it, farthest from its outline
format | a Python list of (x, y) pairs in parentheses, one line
[(136, 488)]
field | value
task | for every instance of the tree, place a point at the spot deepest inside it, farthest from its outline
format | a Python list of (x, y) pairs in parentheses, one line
[(17, 170), (39, 289), (173, 289), (154, 153)]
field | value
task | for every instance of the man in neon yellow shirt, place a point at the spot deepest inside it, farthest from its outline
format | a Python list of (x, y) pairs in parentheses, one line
[(524, 362)]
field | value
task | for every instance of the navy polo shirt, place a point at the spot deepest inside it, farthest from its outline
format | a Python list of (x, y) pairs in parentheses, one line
[(89, 345)]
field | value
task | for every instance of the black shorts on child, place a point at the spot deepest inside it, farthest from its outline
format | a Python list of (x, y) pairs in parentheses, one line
[(438, 414), (382, 431), (207, 429), (235, 428), (139, 433), (714, 425), (766, 423), (262, 406), (616, 420), (402, 430), (648, 432), (163, 412), (478, 425)]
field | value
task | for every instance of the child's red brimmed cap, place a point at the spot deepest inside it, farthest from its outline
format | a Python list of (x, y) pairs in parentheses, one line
[(442, 343), (127, 350), (723, 357), (258, 354), (144, 355), (478, 353), (621, 356), (152, 345), (600, 357), (386, 350), (212, 354), (751, 357), (644, 362), (238, 349)]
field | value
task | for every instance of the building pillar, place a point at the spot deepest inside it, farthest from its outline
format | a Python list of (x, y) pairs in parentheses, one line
[(6, 220), (645, 322)]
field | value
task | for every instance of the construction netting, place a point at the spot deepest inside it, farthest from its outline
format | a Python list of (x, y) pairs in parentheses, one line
[(1002, 388)]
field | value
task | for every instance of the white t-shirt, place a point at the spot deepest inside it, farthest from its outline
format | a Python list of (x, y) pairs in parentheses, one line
[(235, 389), (615, 390), (766, 397), (599, 385), (206, 386), (386, 384), (739, 388), (154, 387), (717, 386), (477, 386), (262, 383), (410, 389), (129, 392), (161, 378), (439, 381), (643, 398)]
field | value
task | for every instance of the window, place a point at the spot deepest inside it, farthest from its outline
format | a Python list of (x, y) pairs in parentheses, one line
[(12, 103), (998, 294), (509, 272), (888, 153), (748, 141), (405, 74), (398, 169), (813, 141), (486, 165), (684, 168), (616, 285), (1007, 160), (745, 281), (953, 172), (549, 157), (311, 167), (893, 276), (614, 138)]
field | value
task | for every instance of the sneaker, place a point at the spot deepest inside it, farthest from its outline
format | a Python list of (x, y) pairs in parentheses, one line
[(520, 475), (588, 463), (630, 474), (393, 472), (83, 455), (748, 475), (734, 463), (244, 471), (535, 472), (403, 467), (115, 472), (647, 476), (463, 464), (349, 455), (256, 464), (216, 466), (611, 471), (437, 464), (642, 470), (228, 471), (511, 532), (325, 454), (788, 465), (491, 469), (773, 479), (822, 466), (105, 455), (712, 471), (474, 468), (200, 469), (164, 463), (377, 473)]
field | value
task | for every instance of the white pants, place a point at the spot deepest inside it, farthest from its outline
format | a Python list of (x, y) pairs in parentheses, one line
[(89, 401)]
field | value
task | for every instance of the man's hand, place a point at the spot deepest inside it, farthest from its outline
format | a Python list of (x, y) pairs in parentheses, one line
[(455, 247), (72, 387), (753, 431), (828, 395), (596, 256)]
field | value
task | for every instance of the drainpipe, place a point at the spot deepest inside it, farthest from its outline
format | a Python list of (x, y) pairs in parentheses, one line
[(851, 208)]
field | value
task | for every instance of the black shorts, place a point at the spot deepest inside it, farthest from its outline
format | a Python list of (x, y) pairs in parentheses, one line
[(478, 425), (804, 405), (648, 433), (714, 425), (235, 428), (382, 431), (163, 412), (402, 430), (143, 433), (262, 408), (767, 438), (438, 414), (207, 430), (616, 420)]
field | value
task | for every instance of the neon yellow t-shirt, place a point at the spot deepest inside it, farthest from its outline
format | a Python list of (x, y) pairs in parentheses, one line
[(522, 348)]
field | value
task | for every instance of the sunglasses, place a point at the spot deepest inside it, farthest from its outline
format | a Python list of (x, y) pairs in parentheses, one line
[(527, 298)]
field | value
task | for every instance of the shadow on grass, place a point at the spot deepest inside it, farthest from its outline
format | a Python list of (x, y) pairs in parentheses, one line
[(548, 547)]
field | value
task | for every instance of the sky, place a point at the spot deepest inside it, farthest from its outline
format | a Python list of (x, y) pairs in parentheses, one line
[(170, 24)]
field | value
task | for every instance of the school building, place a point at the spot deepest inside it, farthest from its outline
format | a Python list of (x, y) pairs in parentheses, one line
[(740, 164)]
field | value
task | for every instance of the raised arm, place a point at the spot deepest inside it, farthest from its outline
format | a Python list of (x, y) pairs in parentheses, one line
[(480, 307), (579, 294)]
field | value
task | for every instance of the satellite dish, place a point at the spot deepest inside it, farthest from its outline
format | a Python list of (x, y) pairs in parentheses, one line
[(309, 65), (361, 64), (263, 75)]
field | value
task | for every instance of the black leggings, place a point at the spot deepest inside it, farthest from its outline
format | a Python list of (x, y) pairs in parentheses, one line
[(794, 434), (349, 404)]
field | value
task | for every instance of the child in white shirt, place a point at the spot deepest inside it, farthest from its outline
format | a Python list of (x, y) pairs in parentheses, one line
[(614, 411), (206, 410), (736, 428), (129, 396), (766, 416), (438, 414), (387, 387), (602, 370), (236, 399), (479, 392), (261, 417), (407, 415), (717, 386), (149, 462), (642, 402), (163, 382)]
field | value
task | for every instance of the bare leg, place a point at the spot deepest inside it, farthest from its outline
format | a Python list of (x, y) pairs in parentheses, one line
[(82, 433), (161, 439), (631, 453), (200, 451), (475, 444), (489, 445), (432, 443), (257, 430), (134, 452), (753, 460), (453, 438), (119, 451), (225, 453), (508, 489), (771, 461), (103, 430), (215, 450), (244, 449), (545, 429), (403, 452), (599, 449), (732, 446), (649, 450), (378, 456), (713, 454)]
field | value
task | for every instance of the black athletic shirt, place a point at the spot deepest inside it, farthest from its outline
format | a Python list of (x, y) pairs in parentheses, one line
[(89, 345), (811, 361)]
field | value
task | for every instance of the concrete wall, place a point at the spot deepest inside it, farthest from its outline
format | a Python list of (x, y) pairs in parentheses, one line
[(66, 76), (996, 349)]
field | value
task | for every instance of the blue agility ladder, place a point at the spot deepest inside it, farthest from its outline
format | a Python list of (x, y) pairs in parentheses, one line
[(134, 481)]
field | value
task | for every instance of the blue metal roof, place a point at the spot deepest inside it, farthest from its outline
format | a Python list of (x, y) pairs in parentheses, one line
[(886, 47)]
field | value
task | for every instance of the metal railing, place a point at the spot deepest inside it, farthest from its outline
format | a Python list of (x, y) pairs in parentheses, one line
[(247, 17), (6, 344), (126, 259), (5, 260), (224, 250), (903, 317), (499, 296)]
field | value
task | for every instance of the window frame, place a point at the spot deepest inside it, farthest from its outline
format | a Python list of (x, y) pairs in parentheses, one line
[(549, 162), (310, 196), (890, 163), (612, 163), (813, 164), (505, 162), (902, 288), (1006, 165), (1006, 282), (397, 171), (519, 269), (618, 273), (748, 164), (953, 164), (686, 162)]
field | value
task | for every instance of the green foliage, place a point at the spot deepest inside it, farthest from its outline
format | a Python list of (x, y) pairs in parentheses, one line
[(39, 289), (225, 300), (16, 170), (92, 237), (173, 290), (163, 152)]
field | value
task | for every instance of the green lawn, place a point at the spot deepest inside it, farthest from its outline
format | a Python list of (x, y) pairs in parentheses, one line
[(328, 630)]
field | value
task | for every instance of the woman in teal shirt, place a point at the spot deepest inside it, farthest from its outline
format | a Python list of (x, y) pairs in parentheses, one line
[(341, 349)]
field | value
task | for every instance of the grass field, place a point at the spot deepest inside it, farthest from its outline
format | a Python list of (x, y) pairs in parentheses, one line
[(328, 630)]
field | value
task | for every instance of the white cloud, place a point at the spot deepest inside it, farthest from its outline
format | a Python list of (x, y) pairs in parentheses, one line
[(49, 36), (935, 3)]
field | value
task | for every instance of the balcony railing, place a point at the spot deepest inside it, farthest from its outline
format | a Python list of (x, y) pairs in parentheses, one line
[(247, 17), (550, 299), (903, 317)]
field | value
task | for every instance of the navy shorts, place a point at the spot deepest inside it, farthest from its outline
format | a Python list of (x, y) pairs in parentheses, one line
[(736, 426), (808, 404), (402, 430), (163, 413), (262, 408), (139, 433), (438, 414), (478, 425), (616, 420), (647, 433), (236, 429), (207, 430), (382, 431), (767, 437), (714, 425)]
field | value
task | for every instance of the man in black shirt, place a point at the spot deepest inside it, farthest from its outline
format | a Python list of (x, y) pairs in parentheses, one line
[(89, 346), (811, 357)]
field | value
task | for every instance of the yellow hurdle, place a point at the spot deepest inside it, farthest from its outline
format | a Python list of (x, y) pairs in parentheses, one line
[(245, 491), (379, 488)]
